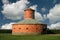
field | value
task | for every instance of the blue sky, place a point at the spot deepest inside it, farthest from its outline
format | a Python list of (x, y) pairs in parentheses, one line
[(47, 11)]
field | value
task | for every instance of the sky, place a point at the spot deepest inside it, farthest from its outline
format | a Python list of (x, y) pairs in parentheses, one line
[(46, 11)]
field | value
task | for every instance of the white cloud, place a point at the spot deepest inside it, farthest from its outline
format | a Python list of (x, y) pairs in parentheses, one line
[(44, 17), (7, 26), (43, 9), (54, 26), (14, 11), (38, 15), (5, 2), (54, 14)]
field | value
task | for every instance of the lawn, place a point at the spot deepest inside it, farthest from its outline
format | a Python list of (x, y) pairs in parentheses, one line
[(8, 36)]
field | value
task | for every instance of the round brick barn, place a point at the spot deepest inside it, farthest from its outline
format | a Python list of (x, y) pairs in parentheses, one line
[(29, 25)]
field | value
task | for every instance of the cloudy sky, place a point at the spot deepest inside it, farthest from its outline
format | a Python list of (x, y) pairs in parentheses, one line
[(46, 11)]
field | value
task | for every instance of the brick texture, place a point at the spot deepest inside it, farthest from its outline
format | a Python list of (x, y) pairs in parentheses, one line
[(24, 28)]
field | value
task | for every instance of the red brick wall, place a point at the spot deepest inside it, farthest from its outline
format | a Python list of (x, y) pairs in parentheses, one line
[(29, 14), (32, 28)]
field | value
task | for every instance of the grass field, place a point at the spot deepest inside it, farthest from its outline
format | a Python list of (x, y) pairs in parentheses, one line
[(7, 36)]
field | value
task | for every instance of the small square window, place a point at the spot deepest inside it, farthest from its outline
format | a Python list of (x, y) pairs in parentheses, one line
[(19, 28), (36, 28), (27, 28), (14, 28)]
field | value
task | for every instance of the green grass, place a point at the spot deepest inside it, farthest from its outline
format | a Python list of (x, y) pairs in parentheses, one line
[(7, 36)]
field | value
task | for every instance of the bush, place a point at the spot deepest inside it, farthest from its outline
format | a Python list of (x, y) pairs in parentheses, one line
[(53, 31), (5, 31)]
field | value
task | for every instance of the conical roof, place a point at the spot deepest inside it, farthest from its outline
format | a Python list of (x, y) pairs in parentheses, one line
[(29, 21)]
